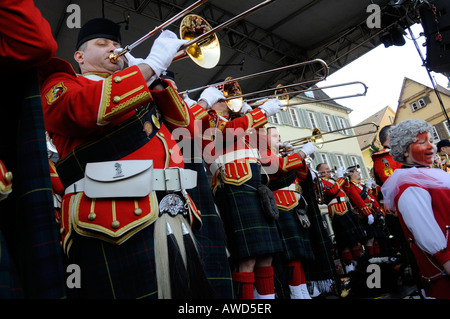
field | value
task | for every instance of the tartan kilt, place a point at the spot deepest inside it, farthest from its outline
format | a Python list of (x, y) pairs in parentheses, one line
[(295, 238), (10, 287), (253, 234), (109, 271), (348, 229), (211, 236)]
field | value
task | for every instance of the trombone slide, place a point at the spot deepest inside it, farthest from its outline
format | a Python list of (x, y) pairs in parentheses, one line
[(115, 57)]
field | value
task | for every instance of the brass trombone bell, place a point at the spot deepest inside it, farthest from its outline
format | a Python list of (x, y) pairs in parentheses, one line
[(281, 93), (206, 52), (319, 140), (115, 57), (231, 89), (203, 51)]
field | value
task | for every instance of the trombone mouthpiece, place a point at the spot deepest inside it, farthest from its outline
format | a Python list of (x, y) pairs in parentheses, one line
[(113, 58)]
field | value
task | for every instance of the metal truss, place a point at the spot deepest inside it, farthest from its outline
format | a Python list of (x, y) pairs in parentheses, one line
[(247, 39)]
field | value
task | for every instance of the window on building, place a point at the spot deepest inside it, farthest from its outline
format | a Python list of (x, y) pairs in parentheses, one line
[(312, 119), (340, 160), (447, 126), (324, 158), (328, 123), (354, 160), (342, 125), (414, 106), (421, 102), (294, 117), (275, 119), (435, 134)]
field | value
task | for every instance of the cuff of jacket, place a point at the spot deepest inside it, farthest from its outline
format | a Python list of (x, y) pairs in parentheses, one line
[(442, 256)]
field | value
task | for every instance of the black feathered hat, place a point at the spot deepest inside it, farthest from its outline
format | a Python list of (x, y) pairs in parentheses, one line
[(98, 28)]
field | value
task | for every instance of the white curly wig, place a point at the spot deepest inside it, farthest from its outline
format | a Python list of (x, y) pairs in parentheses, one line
[(404, 134)]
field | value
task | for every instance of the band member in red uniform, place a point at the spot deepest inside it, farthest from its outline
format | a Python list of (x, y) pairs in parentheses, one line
[(368, 209), (420, 195), (294, 223), (347, 227), (125, 199), (383, 163), (31, 261), (236, 153)]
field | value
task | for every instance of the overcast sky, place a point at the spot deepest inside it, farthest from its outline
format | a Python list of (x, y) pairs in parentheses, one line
[(382, 70)]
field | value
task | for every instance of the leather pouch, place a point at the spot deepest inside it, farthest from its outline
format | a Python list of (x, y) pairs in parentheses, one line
[(115, 179)]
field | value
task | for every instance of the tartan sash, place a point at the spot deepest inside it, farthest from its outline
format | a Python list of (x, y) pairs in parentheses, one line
[(121, 141)]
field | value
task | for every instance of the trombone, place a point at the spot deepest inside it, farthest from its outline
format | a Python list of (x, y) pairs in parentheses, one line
[(282, 94), (232, 90), (203, 46), (318, 139)]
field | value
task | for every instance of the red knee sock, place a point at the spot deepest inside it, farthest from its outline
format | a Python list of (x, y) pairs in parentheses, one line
[(376, 249), (370, 250), (346, 257), (356, 252), (264, 282), (247, 280), (298, 275)]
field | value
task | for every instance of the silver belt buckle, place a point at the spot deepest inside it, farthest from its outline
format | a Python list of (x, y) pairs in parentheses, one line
[(172, 204)]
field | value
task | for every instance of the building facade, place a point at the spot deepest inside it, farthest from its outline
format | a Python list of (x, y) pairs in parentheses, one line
[(298, 122), (417, 101)]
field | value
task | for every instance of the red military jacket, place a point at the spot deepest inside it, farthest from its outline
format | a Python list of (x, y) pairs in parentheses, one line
[(5, 181), (286, 197), (26, 37), (78, 109), (335, 196), (233, 144), (353, 191), (383, 166)]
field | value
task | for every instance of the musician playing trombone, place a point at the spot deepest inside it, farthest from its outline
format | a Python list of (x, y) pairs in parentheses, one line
[(348, 230), (233, 147), (107, 123), (293, 222), (369, 210)]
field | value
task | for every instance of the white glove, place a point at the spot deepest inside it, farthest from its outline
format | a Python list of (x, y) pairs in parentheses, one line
[(340, 172), (370, 219), (271, 107), (131, 60), (309, 148), (370, 183), (163, 51), (245, 108), (211, 96), (188, 100)]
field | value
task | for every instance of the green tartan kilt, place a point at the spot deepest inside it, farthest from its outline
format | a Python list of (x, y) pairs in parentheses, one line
[(295, 238), (109, 271), (348, 230), (253, 233)]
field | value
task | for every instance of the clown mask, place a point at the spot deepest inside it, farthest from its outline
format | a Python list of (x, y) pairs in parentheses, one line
[(421, 152)]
